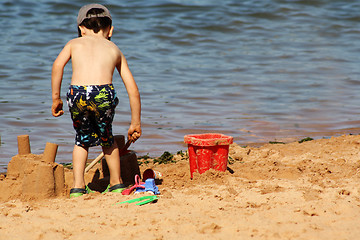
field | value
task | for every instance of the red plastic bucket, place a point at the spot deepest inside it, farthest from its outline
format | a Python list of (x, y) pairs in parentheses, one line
[(209, 150)]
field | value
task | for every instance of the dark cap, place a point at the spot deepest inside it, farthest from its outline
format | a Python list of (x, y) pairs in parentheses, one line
[(84, 10)]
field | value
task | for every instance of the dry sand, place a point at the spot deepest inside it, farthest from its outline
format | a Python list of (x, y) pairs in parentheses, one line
[(307, 190)]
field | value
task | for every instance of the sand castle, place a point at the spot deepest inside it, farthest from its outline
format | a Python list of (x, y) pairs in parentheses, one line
[(31, 176)]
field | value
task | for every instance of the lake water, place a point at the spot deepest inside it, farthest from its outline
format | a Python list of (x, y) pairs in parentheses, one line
[(259, 70)]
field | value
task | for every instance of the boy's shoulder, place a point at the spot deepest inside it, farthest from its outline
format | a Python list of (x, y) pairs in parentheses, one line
[(93, 43), (90, 41), (72, 42)]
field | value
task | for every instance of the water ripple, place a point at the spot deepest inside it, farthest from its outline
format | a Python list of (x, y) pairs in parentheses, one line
[(255, 70)]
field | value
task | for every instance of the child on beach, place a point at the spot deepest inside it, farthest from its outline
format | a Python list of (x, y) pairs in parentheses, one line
[(91, 97)]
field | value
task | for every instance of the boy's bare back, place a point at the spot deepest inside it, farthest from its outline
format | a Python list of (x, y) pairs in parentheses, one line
[(94, 60)]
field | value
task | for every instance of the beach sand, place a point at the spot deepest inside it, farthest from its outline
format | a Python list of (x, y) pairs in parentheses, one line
[(308, 190)]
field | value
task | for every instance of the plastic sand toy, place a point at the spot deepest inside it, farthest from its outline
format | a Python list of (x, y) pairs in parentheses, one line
[(141, 200), (138, 185), (209, 150), (149, 187)]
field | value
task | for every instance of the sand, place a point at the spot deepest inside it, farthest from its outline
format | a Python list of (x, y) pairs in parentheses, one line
[(307, 190)]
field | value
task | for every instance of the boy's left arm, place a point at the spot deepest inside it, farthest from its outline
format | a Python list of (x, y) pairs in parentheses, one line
[(134, 131), (56, 79)]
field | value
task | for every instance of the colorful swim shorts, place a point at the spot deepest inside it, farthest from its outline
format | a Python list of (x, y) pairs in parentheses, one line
[(92, 110)]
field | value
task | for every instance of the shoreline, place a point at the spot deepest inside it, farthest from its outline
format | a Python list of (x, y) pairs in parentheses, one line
[(249, 138)]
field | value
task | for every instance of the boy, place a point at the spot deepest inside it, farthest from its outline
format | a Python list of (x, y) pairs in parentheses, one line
[(91, 97)]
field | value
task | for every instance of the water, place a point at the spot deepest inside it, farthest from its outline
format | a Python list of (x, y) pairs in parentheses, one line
[(256, 70)]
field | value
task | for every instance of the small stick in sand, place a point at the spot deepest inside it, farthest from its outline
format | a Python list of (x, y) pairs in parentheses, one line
[(101, 155)]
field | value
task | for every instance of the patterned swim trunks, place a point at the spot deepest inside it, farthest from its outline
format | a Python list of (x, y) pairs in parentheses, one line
[(92, 111)]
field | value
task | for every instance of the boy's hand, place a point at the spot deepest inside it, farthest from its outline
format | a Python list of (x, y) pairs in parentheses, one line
[(57, 108), (134, 133)]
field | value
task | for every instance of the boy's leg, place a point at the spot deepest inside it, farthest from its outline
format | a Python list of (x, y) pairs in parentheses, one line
[(80, 156), (112, 157)]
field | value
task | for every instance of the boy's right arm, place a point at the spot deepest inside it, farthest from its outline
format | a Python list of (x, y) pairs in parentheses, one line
[(56, 79)]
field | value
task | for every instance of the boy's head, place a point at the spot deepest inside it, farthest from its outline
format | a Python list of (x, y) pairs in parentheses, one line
[(95, 17)]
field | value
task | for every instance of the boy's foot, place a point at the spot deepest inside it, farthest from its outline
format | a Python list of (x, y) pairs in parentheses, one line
[(117, 188), (77, 192)]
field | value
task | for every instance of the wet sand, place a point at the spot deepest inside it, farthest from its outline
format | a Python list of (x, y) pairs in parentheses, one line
[(306, 190)]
